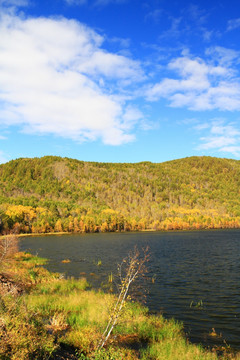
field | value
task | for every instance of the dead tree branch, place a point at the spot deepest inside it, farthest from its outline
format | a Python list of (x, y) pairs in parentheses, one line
[(8, 247), (131, 267)]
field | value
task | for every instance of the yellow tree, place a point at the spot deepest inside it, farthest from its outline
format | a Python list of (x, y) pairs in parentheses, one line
[(75, 225), (58, 226)]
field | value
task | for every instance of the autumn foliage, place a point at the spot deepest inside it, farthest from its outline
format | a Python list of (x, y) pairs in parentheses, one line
[(53, 194)]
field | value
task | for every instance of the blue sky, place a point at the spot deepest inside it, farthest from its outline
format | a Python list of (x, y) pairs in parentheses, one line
[(119, 80)]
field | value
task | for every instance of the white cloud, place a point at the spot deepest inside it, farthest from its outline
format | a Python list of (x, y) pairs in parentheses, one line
[(202, 126), (220, 136), (14, 3), (76, 2), (191, 22), (207, 34), (196, 14), (106, 2), (233, 24), (154, 15), (55, 78), (94, 2), (216, 142), (223, 56), (131, 117), (174, 31), (110, 65), (199, 85), (123, 42), (235, 150)]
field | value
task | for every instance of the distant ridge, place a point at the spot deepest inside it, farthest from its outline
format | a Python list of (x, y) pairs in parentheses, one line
[(62, 194)]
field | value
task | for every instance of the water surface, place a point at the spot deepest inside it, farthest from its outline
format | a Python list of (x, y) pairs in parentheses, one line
[(196, 274)]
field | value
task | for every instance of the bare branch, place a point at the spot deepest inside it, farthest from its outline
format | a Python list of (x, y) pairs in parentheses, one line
[(8, 247), (130, 268)]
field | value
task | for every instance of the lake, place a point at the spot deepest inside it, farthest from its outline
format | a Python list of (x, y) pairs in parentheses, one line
[(192, 276)]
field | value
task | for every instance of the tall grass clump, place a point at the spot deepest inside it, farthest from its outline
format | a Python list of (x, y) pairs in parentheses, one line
[(23, 335)]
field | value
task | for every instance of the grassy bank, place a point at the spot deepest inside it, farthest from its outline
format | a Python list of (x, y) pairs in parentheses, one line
[(64, 319)]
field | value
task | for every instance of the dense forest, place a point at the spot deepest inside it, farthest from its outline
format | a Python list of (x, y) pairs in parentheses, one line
[(54, 194)]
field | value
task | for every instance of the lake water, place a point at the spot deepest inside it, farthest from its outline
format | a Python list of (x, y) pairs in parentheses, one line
[(196, 274)]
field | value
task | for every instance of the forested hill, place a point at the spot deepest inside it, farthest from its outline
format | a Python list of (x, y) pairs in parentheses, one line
[(61, 194)]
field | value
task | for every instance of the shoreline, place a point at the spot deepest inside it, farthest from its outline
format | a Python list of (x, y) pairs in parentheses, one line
[(152, 332), (22, 235)]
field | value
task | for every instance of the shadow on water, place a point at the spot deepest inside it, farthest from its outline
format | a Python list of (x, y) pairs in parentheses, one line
[(192, 276)]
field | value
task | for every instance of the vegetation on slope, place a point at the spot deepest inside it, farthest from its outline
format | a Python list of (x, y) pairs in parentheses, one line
[(60, 194)]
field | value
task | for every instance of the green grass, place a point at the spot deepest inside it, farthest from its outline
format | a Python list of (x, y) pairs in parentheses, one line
[(32, 260), (81, 316), (62, 287), (56, 313)]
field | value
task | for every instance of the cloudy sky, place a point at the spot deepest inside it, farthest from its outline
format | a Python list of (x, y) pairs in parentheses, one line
[(119, 80)]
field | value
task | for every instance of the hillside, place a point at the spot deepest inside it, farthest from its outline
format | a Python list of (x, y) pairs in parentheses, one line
[(61, 194)]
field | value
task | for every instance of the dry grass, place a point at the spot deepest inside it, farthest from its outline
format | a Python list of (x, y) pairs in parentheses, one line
[(63, 312)]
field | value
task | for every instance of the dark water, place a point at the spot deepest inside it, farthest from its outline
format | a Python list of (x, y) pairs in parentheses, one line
[(197, 274)]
